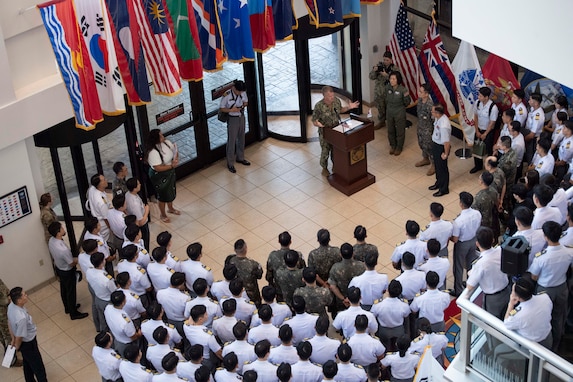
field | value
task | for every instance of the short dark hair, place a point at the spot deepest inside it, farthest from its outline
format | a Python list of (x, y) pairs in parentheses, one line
[(360, 233), (230, 361), (304, 350), (536, 97), (131, 231), (309, 274), (395, 288), (543, 193), (354, 295), (269, 293), (265, 312), (194, 352), (487, 178), (434, 247), (229, 306), (552, 230), (284, 372), (194, 250), (291, 258), (239, 329), (361, 322), (170, 361), (131, 352), (249, 376), (285, 239), (91, 223), (102, 339), (117, 167), (519, 189), (177, 279), (432, 279), (16, 294), (89, 245), (466, 199), (159, 254), (519, 93), (516, 126), (398, 76), (129, 252), (439, 108), (509, 112), (154, 310), (236, 287), (373, 370), (95, 180), (437, 209), (545, 144), (285, 333), (229, 271), (239, 245), (323, 236), (198, 311), (54, 228), (485, 91), (321, 325), (117, 298), (298, 304), (118, 201), (164, 238), (412, 228), (262, 348), (131, 184), (371, 259), (130, 219), (346, 250), (97, 259), (160, 334), (564, 117), (240, 85), (330, 369), (524, 288), (200, 286), (506, 141), (344, 352), (484, 236), (524, 215), (408, 259), (122, 279)]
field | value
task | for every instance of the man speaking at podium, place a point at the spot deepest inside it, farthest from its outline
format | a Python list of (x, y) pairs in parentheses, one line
[(326, 114)]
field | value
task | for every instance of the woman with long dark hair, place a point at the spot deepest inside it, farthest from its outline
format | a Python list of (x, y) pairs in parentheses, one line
[(162, 157)]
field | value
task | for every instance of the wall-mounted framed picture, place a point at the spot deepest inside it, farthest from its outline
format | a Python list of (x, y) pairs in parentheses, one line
[(14, 205)]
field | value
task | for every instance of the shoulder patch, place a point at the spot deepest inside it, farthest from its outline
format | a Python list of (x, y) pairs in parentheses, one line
[(175, 258), (399, 244), (206, 267), (141, 270), (116, 355), (135, 296), (540, 253), (108, 276), (125, 317), (376, 301)]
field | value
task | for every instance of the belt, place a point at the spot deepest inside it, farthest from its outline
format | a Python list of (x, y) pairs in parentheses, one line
[(498, 292)]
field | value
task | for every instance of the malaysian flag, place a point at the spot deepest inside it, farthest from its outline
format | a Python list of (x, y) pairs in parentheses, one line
[(437, 71), (404, 53)]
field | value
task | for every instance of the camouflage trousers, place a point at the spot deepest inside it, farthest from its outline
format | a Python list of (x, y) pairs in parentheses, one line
[(5, 338), (326, 149), (425, 140)]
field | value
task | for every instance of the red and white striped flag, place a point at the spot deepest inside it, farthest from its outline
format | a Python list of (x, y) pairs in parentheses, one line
[(404, 53), (158, 46)]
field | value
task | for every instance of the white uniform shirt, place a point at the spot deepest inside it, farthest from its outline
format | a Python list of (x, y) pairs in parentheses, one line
[(518, 144), (61, 254), (194, 270), (349, 372), (551, 265), (365, 349), (415, 246), (484, 116), (119, 324), (213, 309), (173, 302), (156, 352), (149, 326), (84, 262), (440, 265), (402, 367), (107, 362), (187, 370), (133, 305), (143, 258), (264, 331), (544, 165), (245, 309), (372, 285), (567, 237), (166, 147), (391, 312), (283, 353), (520, 113), (545, 214), (466, 224), (134, 372), (164, 377), (535, 239), (173, 262), (442, 130), (486, 272), (532, 318), (116, 220), (345, 321), (323, 349), (437, 341), (305, 371), (220, 289), (536, 120), (566, 149), (21, 322), (266, 371), (244, 351), (134, 205), (101, 243), (431, 305), (281, 311), (138, 276), (222, 375), (560, 201), (160, 275), (199, 334), (413, 282), (102, 284), (231, 100), (223, 328), (441, 230), (302, 326), (99, 206)]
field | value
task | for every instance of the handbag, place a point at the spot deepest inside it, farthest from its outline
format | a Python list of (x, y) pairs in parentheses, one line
[(478, 149), (222, 116)]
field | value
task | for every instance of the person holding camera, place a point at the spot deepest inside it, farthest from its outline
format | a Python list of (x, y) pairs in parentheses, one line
[(234, 102), (381, 74)]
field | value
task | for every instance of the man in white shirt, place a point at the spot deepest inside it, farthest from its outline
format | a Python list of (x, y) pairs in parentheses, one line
[(196, 332), (517, 143), (116, 220), (98, 203), (223, 326), (245, 308), (133, 237), (543, 161), (523, 218), (155, 313), (323, 347), (438, 229), (120, 325), (135, 206), (485, 115), (93, 228), (432, 303), (103, 285), (201, 289), (344, 320), (536, 116), (266, 371), (542, 196), (105, 357), (371, 283), (301, 323), (519, 107), (281, 310), (159, 273), (245, 351), (304, 370), (266, 330), (440, 265), (194, 268), (412, 244), (173, 300)]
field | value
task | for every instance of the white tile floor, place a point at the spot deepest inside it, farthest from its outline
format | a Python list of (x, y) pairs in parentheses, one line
[(282, 190)]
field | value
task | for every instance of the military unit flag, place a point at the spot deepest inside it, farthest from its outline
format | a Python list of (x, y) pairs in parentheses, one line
[(499, 77)]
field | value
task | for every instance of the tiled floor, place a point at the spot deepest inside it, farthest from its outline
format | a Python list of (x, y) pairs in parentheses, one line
[(282, 190)]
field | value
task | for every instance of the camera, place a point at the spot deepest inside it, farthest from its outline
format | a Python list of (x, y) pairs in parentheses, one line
[(380, 67)]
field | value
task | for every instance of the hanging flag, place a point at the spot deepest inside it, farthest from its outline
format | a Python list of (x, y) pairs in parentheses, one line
[(532, 82), (94, 24), (469, 79), (262, 24), (129, 53), (428, 368), (209, 34), (284, 20), (404, 53), (236, 29), (73, 60), (437, 71), (499, 77), (371, 2), (350, 9), (186, 38), (325, 13)]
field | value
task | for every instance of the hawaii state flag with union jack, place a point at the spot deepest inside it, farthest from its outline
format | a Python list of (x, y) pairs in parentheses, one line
[(209, 34), (158, 46), (186, 38), (73, 59), (262, 24), (404, 53), (437, 71)]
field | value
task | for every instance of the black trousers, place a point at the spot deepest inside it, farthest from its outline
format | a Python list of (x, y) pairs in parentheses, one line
[(478, 163), (34, 369), (145, 236), (68, 289), (441, 166)]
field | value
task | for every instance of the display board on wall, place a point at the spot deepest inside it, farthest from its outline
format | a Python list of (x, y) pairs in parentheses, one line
[(14, 205)]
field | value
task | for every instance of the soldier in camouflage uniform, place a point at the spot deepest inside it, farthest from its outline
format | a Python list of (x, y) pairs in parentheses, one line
[(486, 200), (380, 74), (362, 248), (508, 164), (323, 257), (341, 274), (425, 128), (317, 298), (326, 115), (4, 302), (248, 271), (396, 98), (276, 260), (289, 277), (491, 165)]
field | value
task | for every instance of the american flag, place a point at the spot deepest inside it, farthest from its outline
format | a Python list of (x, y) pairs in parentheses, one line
[(404, 53), (437, 71)]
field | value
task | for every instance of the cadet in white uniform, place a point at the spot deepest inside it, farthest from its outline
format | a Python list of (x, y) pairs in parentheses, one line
[(245, 308), (103, 285), (93, 229), (440, 265), (543, 161), (345, 320), (164, 240), (213, 310), (281, 310), (120, 325), (159, 272), (133, 305), (323, 347), (413, 281), (412, 245), (133, 236), (220, 288), (438, 229), (304, 370), (427, 337), (486, 273), (523, 219), (432, 303), (366, 349), (372, 284), (116, 220), (155, 313), (173, 300), (347, 371), (161, 347), (542, 196), (244, 350), (169, 365), (89, 246), (567, 236), (485, 115), (519, 107), (391, 313), (266, 330), (106, 359), (187, 370), (228, 373), (131, 369), (285, 352), (549, 269), (441, 150), (197, 333), (403, 362), (465, 226), (98, 202), (266, 371), (302, 323), (193, 268), (140, 283), (135, 206), (223, 326), (536, 116)]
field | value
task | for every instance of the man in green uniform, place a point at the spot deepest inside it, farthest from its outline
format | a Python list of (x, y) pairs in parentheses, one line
[(289, 277), (323, 257), (341, 274), (317, 298), (380, 74), (249, 271), (276, 260), (326, 115), (486, 200)]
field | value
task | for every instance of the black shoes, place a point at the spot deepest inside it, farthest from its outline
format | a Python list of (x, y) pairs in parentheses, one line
[(440, 193), (474, 170), (433, 187), (232, 169), (244, 162), (78, 315), (77, 307)]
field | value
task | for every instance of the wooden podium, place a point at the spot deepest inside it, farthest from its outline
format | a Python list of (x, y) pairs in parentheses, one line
[(350, 170)]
